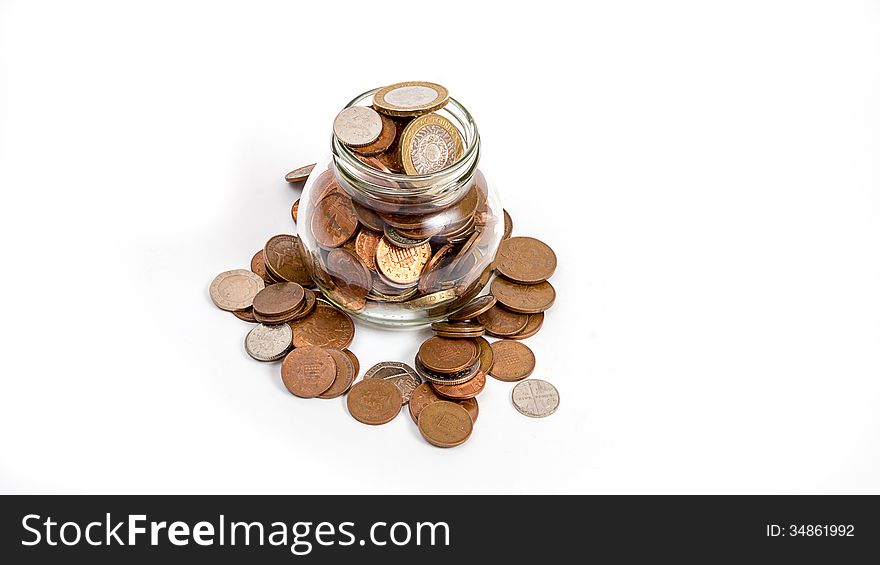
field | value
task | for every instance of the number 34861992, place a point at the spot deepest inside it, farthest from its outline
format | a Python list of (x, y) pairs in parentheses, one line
[(811, 530)]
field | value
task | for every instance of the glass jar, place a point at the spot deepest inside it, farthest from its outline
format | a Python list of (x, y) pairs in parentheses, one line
[(400, 250)]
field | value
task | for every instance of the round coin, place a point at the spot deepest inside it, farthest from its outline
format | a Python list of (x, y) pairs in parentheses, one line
[(401, 265), (383, 142), (294, 211), (258, 265), (246, 315), (352, 277), (279, 299), (374, 401), (358, 125), (268, 343), (508, 226), (354, 361), (424, 395), (300, 174), (283, 260), (308, 371), (365, 244), (236, 289), (535, 398), (334, 221), (345, 374), (501, 323), (534, 324), (430, 143), (445, 424), (410, 98), (473, 308), (326, 326), (487, 356), (368, 218), (462, 391), (402, 375), (523, 298), (445, 355), (512, 361), (525, 260)]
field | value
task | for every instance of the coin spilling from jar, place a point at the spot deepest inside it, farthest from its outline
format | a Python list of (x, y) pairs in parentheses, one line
[(417, 256)]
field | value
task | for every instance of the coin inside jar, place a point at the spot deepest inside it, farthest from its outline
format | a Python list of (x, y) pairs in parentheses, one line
[(365, 244), (473, 308), (357, 125), (374, 401), (383, 142), (525, 260), (524, 298), (430, 143), (445, 355), (334, 221), (410, 98), (401, 265), (351, 277), (445, 424)]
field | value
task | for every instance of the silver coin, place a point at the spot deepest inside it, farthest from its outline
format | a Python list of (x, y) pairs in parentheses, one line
[(535, 398), (402, 375), (458, 378), (300, 174), (401, 241), (268, 343), (235, 290), (358, 125)]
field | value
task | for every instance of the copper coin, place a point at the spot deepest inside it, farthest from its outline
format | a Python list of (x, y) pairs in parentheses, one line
[(463, 391), (500, 322), (283, 259), (525, 260), (424, 395), (458, 335), (347, 269), (258, 265), (401, 265), (473, 308), (308, 306), (445, 355), (345, 374), (447, 378), (534, 324), (236, 289), (508, 226), (374, 401), (334, 221), (247, 315), (445, 424), (523, 298), (365, 244), (300, 174), (375, 163), (279, 299), (402, 375), (383, 142), (294, 211), (513, 361), (326, 326), (457, 329), (436, 269), (487, 356), (354, 361), (308, 371), (368, 218)]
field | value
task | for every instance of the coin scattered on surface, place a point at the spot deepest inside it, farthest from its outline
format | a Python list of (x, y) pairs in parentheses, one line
[(535, 398), (358, 125), (444, 355), (246, 315), (424, 395), (430, 143), (512, 361), (508, 226), (300, 174), (236, 289), (278, 300), (308, 371), (283, 260), (410, 98), (525, 260), (268, 343), (374, 401), (524, 298), (445, 424), (536, 321), (326, 326), (462, 391), (258, 266), (294, 211), (345, 374), (502, 323), (401, 375)]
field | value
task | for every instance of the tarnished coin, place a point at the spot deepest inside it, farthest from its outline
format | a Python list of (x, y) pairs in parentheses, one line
[(283, 260), (535, 398), (445, 424), (424, 395), (473, 308), (383, 142), (309, 303), (326, 326), (429, 300), (345, 374), (534, 324), (501, 323), (445, 355), (430, 143), (374, 401), (351, 277), (294, 211), (308, 371), (508, 226), (512, 361), (402, 375), (279, 299), (487, 356), (457, 330), (410, 98), (334, 221), (258, 265), (525, 260), (368, 218), (354, 361), (246, 315), (401, 265), (435, 273), (523, 298), (400, 240), (300, 174), (462, 391), (456, 378), (365, 244), (268, 343), (358, 125), (236, 289)]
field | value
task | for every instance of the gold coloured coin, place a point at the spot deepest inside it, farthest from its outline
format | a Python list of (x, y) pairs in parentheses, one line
[(410, 98), (430, 143)]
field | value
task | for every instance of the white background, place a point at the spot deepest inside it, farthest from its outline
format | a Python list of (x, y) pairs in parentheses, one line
[(707, 173)]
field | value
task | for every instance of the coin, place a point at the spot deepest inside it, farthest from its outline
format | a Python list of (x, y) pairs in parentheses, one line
[(345, 374), (368, 218), (309, 303), (435, 269), (402, 375), (535, 398), (523, 298), (401, 265), (325, 327), (508, 226), (457, 327), (462, 391), (365, 244), (308, 371), (374, 401), (376, 163), (410, 98), (513, 361), (445, 355), (283, 260), (358, 125), (534, 324), (383, 142), (279, 299), (294, 211), (456, 378), (400, 240), (430, 143), (424, 395), (487, 356), (351, 278), (258, 265), (354, 361), (430, 300), (445, 424), (334, 221), (300, 174), (246, 315), (473, 308), (268, 343), (525, 260), (501, 323), (236, 289)]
